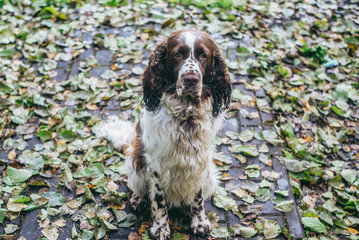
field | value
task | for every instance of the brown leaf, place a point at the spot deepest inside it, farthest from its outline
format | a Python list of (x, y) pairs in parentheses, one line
[(51, 232), (15, 207), (134, 236), (60, 223), (112, 186), (239, 192), (271, 175), (12, 155), (73, 204)]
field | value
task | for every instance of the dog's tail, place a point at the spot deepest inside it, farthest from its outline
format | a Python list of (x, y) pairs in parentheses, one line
[(120, 132)]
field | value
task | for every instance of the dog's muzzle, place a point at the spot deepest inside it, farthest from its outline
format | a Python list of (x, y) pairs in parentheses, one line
[(189, 82)]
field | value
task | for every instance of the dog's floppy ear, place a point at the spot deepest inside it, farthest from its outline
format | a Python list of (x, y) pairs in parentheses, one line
[(154, 78), (219, 82)]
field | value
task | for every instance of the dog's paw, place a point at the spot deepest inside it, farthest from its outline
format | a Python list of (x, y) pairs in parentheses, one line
[(201, 226), (160, 231), (137, 203)]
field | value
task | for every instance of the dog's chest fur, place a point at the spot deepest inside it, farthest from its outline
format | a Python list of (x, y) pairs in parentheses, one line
[(179, 144)]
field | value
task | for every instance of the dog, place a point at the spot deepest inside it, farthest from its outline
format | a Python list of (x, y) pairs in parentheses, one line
[(169, 153)]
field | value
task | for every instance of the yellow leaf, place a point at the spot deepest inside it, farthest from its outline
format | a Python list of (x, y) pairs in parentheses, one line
[(308, 106), (91, 106), (219, 163), (143, 227), (225, 177), (122, 206), (352, 231)]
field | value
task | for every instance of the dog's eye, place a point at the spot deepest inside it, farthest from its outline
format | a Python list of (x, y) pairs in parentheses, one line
[(178, 55), (203, 56)]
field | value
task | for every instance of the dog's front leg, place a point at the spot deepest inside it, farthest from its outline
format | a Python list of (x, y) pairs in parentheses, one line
[(160, 228), (200, 224)]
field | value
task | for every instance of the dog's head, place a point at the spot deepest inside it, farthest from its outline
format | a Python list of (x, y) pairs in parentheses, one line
[(190, 62)]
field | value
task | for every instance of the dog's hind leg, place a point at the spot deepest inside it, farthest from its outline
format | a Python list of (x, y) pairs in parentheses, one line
[(200, 224), (136, 182), (160, 228)]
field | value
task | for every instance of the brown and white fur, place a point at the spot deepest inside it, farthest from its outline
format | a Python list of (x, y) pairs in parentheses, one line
[(186, 89)]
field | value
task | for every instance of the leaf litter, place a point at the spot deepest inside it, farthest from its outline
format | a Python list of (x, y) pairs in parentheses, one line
[(303, 54)]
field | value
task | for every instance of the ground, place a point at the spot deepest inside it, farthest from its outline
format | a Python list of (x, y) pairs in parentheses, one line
[(288, 150)]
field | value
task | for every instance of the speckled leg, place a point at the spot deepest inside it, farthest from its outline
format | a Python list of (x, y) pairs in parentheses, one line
[(160, 228), (200, 224)]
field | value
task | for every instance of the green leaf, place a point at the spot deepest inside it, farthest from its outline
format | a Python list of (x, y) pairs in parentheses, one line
[(352, 40), (246, 135), (38, 183), (95, 169), (109, 225), (127, 222), (119, 168), (252, 171), (336, 182), (68, 134), (232, 135), (55, 199), (21, 199), (221, 156), (263, 194), (20, 116), (271, 229), (238, 95), (87, 235), (5, 88), (2, 214), (314, 224), (44, 135), (220, 232), (224, 3), (349, 175), (47, 11), (283, 71), (62, 16), (7, 36), (31, 206), (17, 176), (337, 111), (287, 130), (243, 51), (296, 166), (295, 145), (222, 200), (285, 206), (326, 217), (245, 232), (89, 194), (248, 150), (179, 236), (6, 53)]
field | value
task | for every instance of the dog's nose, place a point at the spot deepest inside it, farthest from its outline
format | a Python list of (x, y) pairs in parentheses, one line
[(191, 79)]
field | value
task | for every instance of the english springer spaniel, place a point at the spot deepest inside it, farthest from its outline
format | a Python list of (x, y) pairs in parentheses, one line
[(186, 88)]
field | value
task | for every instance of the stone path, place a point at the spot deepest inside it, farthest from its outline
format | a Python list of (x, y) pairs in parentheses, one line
[(291, 220)]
